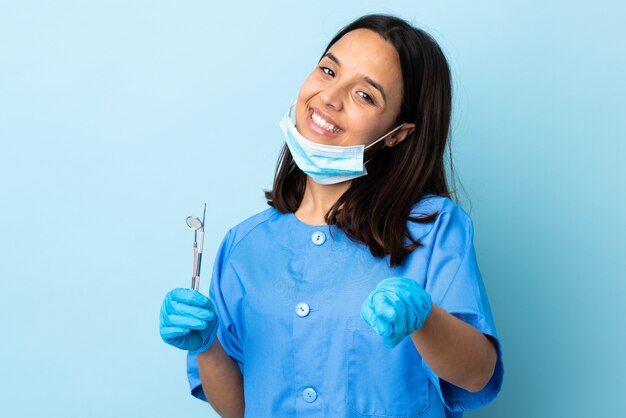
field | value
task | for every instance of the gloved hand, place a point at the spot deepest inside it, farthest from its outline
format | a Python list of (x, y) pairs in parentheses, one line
[(188, 320), (397, 307)]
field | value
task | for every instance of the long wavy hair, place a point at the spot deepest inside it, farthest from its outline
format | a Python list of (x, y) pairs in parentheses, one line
[(376, 207)]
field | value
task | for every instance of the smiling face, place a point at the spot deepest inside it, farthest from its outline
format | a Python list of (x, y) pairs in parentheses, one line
[(354, 95)]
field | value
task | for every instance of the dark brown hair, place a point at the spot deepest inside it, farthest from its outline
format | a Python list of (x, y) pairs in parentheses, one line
[(375, 209)]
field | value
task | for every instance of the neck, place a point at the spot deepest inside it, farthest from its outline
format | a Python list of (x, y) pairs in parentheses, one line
[(318, 199)]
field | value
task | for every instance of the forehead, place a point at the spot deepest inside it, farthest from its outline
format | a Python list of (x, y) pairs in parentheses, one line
[(369, 54)]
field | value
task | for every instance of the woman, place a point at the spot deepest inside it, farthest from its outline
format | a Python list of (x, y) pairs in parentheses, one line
[(311, 300)]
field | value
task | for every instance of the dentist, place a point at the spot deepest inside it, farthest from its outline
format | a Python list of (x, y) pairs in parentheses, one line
[(357, 293)]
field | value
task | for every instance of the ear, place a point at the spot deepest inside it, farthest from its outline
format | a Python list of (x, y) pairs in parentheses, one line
[(398, 136)]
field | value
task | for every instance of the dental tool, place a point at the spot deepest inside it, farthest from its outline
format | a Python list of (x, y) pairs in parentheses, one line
[(196, 224)]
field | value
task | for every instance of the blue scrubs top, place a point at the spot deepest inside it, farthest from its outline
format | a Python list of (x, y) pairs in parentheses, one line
[(288, 297)]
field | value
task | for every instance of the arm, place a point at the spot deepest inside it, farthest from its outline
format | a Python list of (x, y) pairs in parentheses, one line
[(222, 382), (456, 351)]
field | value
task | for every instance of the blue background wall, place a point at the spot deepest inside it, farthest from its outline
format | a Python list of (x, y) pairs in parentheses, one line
[(120, 118)]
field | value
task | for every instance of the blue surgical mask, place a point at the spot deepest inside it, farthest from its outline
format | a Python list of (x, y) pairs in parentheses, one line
[(325, 164)]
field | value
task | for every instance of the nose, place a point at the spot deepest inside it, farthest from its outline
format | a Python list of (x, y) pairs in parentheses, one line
[(333, 96)]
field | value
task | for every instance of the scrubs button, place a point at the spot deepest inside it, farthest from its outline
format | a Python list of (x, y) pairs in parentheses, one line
[(318, 238), (302, 309), (309, 395)]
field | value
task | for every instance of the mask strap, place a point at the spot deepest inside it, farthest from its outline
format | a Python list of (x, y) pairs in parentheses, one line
[(381, 138), (386, 135), (291, 106)]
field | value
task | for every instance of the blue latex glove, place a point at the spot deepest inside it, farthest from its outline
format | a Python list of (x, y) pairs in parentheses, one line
[(397, 307), (188, 320)]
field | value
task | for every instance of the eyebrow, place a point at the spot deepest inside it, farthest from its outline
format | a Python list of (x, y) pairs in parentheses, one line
[(371, 82)]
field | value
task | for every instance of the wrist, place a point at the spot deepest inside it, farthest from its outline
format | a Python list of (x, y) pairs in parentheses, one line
[(209, 353), (208, 342), (428, 322)]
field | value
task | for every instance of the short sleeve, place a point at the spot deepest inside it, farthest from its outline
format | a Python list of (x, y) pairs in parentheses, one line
[(455, 284), (222, 292)]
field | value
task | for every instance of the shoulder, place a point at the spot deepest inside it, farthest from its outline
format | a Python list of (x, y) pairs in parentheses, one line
[(238, 232), (451, 218), (432, 203)]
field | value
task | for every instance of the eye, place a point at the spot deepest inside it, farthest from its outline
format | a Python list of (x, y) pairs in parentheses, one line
[(327, 71), (366, 97)]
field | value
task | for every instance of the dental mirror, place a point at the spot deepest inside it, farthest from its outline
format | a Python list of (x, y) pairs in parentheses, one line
[(194, 223)]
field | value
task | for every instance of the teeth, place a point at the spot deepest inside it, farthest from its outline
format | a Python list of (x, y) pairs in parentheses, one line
[(323, 124)]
